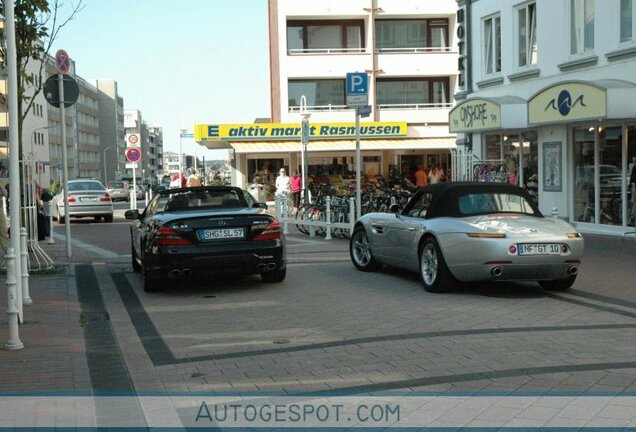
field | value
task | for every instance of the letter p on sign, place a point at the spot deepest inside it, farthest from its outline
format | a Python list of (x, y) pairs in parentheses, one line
[(357, 83)]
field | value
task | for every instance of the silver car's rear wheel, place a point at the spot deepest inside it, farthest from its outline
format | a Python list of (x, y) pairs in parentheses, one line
[(360, 251), (434, 273)]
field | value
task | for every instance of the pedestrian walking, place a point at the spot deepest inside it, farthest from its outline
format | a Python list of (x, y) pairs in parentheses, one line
[(421, 178), (283, 186), (193, 180), (296, 182)]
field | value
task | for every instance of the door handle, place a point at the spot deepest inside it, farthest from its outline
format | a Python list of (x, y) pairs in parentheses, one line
[(411, 229)]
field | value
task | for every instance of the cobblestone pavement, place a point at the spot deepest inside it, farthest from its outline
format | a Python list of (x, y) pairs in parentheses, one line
[(329, 328)]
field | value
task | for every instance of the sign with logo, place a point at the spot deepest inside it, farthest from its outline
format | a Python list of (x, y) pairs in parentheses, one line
[(132, 140), (474, 115), (62, 62), (357, 92), (133, 154), (462, 60), (304, 131), (566, 102), (293, 131)]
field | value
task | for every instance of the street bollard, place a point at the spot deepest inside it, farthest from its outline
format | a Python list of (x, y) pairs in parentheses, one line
[(555, 212), (24, 259), (286, 217), (146, 203), (352, 213), (14, 342), (50, 240), (328, 234)]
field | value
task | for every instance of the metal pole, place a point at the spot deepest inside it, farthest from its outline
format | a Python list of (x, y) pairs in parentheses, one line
[(24, 261), (358, 168), (133, 198), (50, 240), (14, 341), (14, 146), (67, 219)]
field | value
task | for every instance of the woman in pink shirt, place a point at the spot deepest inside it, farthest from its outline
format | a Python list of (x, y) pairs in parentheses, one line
[(296, 183)]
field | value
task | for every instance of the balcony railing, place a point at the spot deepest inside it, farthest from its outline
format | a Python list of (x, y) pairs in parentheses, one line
[(301, 51), (423, 106), (413, 50), (316, 108)]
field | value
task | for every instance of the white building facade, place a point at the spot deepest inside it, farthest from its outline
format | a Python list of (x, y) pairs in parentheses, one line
[(547, 101), (407, 48)]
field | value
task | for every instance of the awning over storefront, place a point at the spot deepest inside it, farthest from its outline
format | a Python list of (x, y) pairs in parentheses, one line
[(444, 143), (578, 100), (482, 114)]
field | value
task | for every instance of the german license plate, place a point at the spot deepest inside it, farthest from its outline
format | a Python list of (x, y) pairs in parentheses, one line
[(222, 233), (539, 249), (88, 199)]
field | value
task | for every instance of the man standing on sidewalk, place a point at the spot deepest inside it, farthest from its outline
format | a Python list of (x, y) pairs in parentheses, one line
[(4, 233)]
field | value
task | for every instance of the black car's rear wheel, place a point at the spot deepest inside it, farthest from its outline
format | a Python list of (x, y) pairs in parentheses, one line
[(434, 272), (277, 275), (360, 251), (558, 284)]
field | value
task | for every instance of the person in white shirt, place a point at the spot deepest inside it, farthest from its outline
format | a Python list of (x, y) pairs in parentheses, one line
[(193, 180), (283, 186)]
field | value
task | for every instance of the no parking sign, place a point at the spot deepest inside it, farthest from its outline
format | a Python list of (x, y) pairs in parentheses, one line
[(133, 154)]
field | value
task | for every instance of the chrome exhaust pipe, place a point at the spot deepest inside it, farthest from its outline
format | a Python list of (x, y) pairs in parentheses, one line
[(572, 270), (175, 273), (186, 272), (496, 271)]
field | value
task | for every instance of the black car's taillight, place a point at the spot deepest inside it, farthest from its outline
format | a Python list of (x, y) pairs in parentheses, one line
[(271, 232), (169, 237)]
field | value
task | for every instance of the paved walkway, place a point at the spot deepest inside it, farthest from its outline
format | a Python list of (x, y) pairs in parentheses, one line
[(70, 345)]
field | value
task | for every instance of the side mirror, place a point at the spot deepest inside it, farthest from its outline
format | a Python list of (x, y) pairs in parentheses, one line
[(394, 208), (132, 214)]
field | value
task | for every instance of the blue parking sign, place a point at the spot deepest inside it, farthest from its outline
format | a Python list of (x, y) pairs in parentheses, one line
[(357, 83)]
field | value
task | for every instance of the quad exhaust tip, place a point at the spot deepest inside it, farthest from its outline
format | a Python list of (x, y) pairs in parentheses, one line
[(268, 266)]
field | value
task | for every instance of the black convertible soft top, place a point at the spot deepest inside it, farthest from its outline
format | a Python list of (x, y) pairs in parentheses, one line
[(445, 196)]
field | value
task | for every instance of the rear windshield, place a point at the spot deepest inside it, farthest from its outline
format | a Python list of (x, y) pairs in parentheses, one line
[(205, 199), (85, 186), (117, 185), (490, 202)]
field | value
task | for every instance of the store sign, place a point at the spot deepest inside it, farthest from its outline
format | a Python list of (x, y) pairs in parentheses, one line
[(475, 115), (567, 102), (462, 59), (292, 131)]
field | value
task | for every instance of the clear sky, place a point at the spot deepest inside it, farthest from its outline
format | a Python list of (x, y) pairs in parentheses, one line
[(178, 61)]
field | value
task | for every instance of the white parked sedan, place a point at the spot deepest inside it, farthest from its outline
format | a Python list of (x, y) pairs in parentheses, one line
[(86, 198)]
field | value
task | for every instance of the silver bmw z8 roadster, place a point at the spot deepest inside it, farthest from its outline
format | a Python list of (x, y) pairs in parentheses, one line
[(468, 231)]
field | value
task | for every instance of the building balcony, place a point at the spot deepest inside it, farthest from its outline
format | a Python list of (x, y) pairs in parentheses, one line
[(417, 62), (316, 65)]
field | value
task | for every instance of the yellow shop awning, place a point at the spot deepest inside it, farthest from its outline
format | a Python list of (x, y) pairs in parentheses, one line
[(444, 143)]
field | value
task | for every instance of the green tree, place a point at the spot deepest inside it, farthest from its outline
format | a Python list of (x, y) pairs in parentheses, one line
[(37, 25)]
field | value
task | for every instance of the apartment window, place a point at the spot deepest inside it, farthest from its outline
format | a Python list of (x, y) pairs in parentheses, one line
[(628, 8), (411, 35), (527, 50), (581, 26), (325, 36), (492, 45), (412, 92), (321, 94)]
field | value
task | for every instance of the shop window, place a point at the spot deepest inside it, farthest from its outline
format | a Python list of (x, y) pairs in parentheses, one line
[(322, 94), (627, 21), (411, 35), (325, 36), (493, 147), (527, 48), (413, 93), (581, 26), (492, 45)]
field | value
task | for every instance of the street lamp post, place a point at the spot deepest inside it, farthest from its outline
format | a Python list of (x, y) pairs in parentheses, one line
[(104, 160)]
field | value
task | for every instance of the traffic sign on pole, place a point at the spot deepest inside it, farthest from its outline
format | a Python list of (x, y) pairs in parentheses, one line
[(132, 140), (357, 83), (51, 91), (133, 154), (62, 62)]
